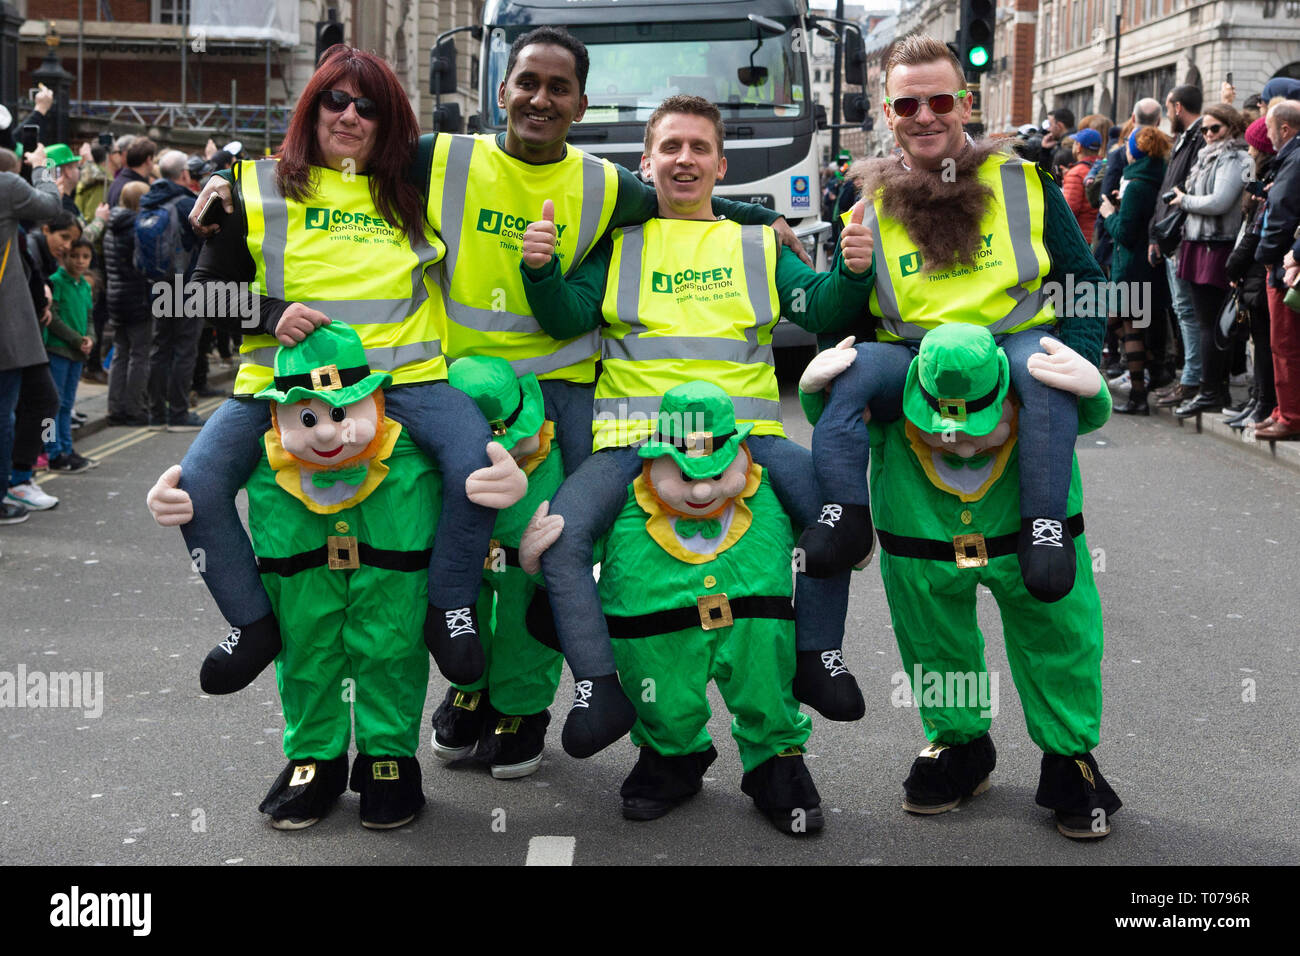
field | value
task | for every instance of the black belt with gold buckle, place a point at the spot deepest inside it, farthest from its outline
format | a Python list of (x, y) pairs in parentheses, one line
[(344, 553), (711, 612), (965, 550)]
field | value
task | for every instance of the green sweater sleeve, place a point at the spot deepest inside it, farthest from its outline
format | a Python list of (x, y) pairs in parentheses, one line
[(1094, 411), (813, 404), (566, 307), (820, 301), (637, 202), (1069, 253)]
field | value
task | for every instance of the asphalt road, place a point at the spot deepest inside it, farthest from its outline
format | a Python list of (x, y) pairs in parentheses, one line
[(1199, 732)]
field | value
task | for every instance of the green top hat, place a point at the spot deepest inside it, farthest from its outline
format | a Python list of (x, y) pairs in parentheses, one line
[(329, 364), (512, 405), (958, 381), (697, 426), (59, 154)]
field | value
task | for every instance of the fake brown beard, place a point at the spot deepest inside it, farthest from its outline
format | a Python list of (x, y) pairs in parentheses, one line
[(940, 213)]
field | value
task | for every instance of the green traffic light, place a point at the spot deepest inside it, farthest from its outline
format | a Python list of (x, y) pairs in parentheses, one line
[(978, 56)]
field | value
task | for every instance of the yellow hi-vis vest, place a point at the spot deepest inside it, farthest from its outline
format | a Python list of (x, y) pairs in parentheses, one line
[(687, 299), (482, 219), (1002, 290), (336, 253)]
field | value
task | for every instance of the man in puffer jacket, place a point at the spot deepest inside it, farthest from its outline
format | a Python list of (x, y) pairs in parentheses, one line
[(128, 311)]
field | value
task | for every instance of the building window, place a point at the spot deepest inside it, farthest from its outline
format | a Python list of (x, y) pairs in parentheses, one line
[(171, 11), (1154, 83)]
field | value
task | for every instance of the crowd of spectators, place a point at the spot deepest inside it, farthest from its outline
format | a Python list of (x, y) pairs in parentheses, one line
[(77, 300)]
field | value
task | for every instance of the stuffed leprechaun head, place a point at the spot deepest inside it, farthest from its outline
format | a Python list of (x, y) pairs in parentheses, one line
[(694, 463), (328, 408), (511, 404), (957, 391)]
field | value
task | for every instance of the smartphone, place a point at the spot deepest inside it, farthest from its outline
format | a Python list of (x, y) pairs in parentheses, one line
[(106, 140), (1230, 78), (211, 208), (29, 136)]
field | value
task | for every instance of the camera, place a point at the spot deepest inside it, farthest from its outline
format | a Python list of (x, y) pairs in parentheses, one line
[(1167, 197)]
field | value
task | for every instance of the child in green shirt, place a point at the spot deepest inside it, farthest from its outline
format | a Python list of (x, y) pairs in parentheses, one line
[(67, 343)]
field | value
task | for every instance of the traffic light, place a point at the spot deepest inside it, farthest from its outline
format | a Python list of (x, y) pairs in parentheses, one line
[(328, 33), (975, 35)]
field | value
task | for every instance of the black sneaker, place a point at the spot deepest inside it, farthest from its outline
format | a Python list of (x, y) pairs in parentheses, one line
[(12, 513), (190, 423), (128, 421), (516, 742), (89, 462), (452, 637), (68, 465), (823, 682), (457, 723), (944, 775)]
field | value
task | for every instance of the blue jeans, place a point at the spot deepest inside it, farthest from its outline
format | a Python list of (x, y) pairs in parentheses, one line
[(571, 407), (444, 422), (591, 500), (11, 381), (1049, 424), (1180, 294), (66, 374)]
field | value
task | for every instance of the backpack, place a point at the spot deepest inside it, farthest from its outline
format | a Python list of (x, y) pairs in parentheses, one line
[(159, 247)]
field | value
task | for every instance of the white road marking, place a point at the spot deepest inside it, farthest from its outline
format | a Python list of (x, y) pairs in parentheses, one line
[(551, 851)]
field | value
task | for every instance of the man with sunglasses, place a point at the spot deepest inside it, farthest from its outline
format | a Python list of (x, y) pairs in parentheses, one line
[(962, 231)]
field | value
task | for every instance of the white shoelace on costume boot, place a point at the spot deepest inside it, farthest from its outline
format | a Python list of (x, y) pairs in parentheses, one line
[(1048, 532), (834, 662), (581, 693), (459, 622), (232, 639), (830, 515)]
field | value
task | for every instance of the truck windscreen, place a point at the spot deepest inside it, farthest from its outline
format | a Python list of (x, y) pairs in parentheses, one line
[(634, 66)]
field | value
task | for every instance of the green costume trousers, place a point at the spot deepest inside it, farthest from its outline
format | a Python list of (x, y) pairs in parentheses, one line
[(522, 674), (1054, 649), (752, 662)]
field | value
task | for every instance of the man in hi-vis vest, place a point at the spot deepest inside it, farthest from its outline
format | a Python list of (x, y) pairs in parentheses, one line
[(684, 296), (962, 231)]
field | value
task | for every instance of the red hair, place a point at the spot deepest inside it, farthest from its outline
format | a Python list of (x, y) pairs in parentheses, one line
[(396, 136)]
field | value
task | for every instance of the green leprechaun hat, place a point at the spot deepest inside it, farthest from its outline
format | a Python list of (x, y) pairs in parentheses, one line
[(958, 381), (512, 405), (59, 154), (697, 426), (329, 364)]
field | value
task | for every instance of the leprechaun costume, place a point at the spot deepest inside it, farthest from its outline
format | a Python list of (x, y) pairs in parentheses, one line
[(688, 600), (947, 524), (504, 714), (343, 554)]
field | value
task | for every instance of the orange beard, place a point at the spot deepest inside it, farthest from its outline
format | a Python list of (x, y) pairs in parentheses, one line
[(669, 509), (365, 454)]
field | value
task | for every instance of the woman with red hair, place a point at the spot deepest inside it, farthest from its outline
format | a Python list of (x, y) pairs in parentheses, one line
[(331, 228)]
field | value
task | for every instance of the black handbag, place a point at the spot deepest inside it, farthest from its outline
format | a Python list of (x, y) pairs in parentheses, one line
[(1168, 232), (1234, 321)]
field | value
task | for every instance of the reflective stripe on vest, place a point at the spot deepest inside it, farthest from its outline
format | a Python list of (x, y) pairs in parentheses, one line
[(931, 299), (669, 323), (309, 253), (482, 220)]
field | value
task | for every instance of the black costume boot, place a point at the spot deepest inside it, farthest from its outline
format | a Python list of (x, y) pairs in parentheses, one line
[(305, 791), (457, 723), (823, 682), (1046, 553), (390, 788), (839, 539), (512, 744), (234, 663), (783, 789), (1079, 795), (944, 774), (452, 639), (658, 783), (600, 715)]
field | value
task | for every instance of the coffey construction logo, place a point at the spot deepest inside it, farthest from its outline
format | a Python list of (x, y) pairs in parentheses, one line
[(339, 220), (511, 226)]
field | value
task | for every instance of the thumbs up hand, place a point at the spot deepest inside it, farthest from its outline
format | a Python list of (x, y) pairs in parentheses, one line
[(500, 484), (539, 238), (856, 241), (169, 503)]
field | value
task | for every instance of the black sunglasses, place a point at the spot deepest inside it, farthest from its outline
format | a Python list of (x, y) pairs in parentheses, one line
[(1214, 129), (336, 101)]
